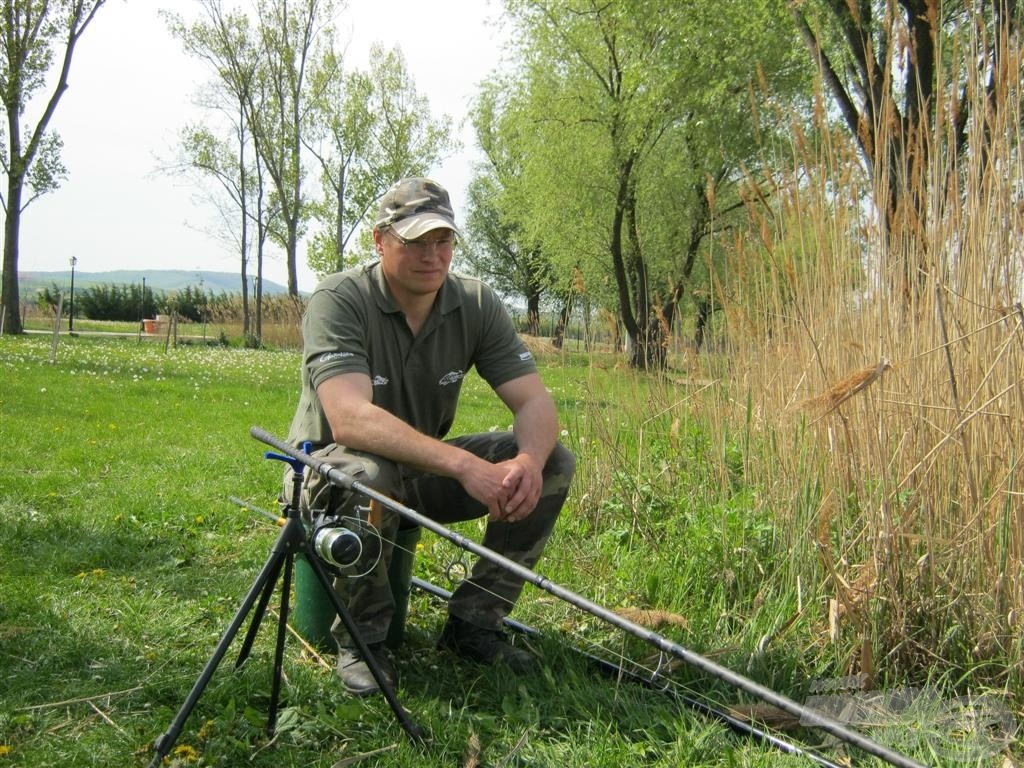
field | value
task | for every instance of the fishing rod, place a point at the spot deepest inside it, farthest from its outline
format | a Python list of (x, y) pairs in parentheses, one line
[(738, 725), (808, 716)]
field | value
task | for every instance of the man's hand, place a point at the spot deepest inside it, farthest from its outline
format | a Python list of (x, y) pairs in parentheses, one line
[(509, 489), (523, 484)]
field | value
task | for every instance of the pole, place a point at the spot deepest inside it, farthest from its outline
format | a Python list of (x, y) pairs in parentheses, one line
[(808, 716), (71, 312), (142, 311)]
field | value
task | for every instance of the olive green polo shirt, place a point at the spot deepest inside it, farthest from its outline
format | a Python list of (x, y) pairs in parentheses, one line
[(352, 324)]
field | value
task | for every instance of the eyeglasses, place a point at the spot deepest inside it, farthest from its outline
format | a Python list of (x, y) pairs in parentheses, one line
[(422, 246)]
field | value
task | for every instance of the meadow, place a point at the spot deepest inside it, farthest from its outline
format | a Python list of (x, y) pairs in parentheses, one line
[(124, 558)]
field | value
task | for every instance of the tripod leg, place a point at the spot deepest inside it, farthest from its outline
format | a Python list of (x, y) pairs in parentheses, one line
[(166, 742), (413, 729), (257, 616), (282, 627)]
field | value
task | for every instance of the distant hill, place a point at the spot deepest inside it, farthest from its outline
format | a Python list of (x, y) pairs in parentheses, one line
[(156, 279)]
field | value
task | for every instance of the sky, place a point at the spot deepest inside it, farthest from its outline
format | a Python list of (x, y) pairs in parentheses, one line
[(132, 89)]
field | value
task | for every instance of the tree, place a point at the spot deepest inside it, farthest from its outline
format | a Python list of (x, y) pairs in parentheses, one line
[(240, 197), (499, 249), (34, 34), (366, 130), (266, 62), (227, 160), (881, 61), (286, 46), (637, 117)]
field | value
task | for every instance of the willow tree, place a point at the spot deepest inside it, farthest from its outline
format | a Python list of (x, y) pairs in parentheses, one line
[(499, 250), (34, 35), (639, 117)]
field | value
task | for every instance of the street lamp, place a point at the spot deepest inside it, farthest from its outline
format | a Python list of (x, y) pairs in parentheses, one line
[(71, 315)]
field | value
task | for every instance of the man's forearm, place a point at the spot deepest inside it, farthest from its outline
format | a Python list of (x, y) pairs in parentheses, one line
[(536, 429), (371, 429)]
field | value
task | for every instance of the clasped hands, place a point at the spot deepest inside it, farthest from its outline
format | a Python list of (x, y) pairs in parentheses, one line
[(509, 489)]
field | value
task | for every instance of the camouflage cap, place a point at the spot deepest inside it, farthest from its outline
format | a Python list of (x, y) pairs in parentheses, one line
[(414, 206)]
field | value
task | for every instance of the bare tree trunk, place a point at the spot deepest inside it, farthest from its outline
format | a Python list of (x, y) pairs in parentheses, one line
[(558, 339), (12, 233), (244, 202), (533, 314)]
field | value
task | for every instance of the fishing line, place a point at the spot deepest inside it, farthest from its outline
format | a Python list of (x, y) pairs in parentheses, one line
[(613, 662), (621, 666), (362, 528)]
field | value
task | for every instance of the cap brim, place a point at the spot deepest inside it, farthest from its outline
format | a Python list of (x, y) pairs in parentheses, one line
[(419, 224)]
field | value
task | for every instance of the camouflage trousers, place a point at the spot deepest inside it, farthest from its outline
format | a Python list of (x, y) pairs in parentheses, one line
[(491, 591)]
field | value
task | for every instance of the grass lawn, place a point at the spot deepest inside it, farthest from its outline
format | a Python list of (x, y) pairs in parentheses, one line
[(124, 558)]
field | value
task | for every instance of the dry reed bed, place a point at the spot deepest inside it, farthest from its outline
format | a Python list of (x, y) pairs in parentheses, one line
[(904, 387)]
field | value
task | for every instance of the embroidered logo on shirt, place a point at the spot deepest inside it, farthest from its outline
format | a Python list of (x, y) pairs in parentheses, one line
[(451, 377), (380, 381), (525, 356), (327, 357)]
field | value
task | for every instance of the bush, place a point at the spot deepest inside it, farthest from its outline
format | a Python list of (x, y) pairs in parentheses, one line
[(191, 303), (116, 302)]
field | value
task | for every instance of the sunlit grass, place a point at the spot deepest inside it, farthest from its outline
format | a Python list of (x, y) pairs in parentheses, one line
[(124, 559)]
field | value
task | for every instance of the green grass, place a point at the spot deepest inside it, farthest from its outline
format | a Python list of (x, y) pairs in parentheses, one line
[(124, 560)]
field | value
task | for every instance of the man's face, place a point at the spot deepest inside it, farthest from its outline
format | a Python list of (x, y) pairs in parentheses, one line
[(415, 268)]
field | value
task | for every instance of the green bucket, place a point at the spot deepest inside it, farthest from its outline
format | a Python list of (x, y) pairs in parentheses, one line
[(314, 613), (400, 578)]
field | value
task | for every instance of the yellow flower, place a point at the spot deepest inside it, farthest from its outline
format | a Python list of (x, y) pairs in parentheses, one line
[(187, 753)]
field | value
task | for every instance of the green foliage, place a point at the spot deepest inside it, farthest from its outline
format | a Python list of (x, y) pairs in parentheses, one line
[(47, 172), (622, 142), (368, 129), (112, 301), (48, 297), (191, 303), (109, 301), (499, 249), (35, 36)]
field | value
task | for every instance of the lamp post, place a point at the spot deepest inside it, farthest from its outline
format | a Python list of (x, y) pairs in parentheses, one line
[(71, 314)]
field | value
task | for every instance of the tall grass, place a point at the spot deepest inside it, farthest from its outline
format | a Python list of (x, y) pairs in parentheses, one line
[(886, 415)]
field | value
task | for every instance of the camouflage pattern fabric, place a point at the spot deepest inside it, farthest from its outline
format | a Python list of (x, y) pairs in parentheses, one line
[(490, 592)]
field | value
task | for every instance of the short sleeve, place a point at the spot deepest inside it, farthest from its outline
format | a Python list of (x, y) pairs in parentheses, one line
[(334, 331), (501, 356)]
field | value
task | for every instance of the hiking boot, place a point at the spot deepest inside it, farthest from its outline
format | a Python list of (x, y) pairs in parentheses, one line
[(485, 646), (355, 672)]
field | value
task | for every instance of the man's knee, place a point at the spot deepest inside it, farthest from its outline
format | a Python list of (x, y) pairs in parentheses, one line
[(372, 471), (559, 471)]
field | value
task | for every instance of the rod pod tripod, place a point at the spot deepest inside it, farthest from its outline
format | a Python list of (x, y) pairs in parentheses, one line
[(292, 540)]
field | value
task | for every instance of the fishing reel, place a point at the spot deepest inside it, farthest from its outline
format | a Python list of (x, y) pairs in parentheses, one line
[(347, 545)]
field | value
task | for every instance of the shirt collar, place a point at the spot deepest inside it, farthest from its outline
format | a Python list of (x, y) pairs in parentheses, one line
[(448, 298)]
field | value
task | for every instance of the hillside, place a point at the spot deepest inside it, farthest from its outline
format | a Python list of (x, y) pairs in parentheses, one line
[(157, 280)]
